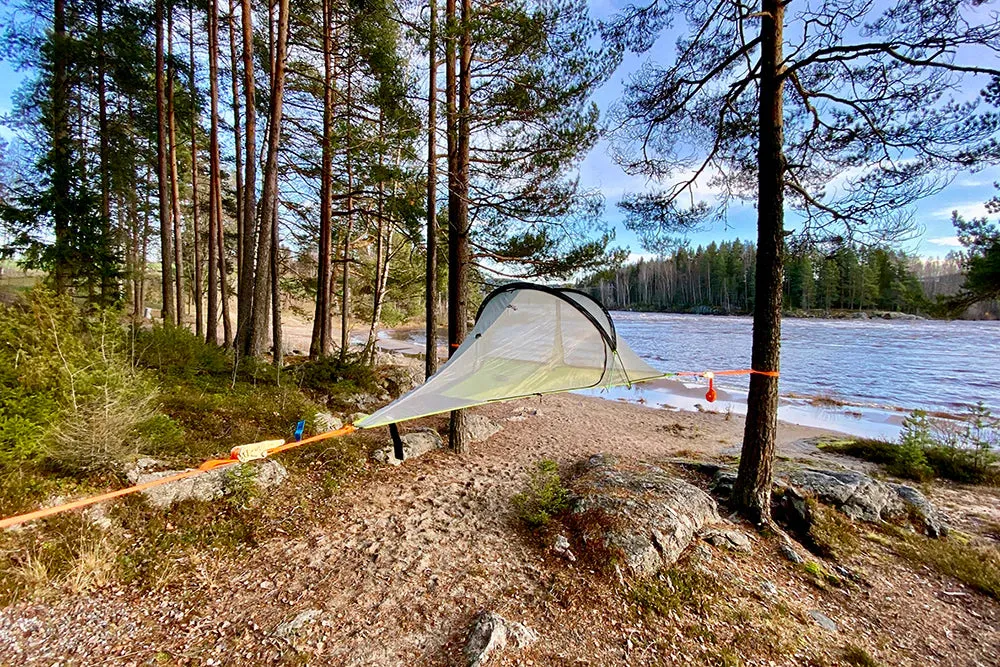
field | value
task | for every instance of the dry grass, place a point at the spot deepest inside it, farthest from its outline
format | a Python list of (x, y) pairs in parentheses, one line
[(955, 556)]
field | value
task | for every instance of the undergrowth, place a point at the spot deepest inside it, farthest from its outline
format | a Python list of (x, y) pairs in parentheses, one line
[(976, 566), (543, 497), (964, 452)]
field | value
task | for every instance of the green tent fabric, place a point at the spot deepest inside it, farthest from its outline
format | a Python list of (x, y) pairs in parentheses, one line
[(528, 340)]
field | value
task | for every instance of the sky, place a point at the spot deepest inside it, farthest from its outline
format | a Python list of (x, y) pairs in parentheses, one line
[(967, 193)]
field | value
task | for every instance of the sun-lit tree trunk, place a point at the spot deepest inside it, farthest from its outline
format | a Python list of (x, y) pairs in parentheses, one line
[(245, 293), (175, 198), (752, 490), (214, 185), (430, 305), (320, 344), (198, 311), (162, 176), (269, 193), (345, 285), (237, 139), (458, 213)]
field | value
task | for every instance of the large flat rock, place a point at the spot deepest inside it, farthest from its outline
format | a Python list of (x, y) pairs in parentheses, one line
[(651, 515)]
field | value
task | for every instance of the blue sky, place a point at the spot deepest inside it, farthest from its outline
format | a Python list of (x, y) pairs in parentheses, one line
[(967, 193)]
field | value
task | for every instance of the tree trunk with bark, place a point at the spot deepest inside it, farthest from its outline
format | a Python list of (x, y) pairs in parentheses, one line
[(214, 185), (245, 293), (345, 286), (107, 288), (175, 197), (430, 305), (752, 490), (198, 310), (458, 216), (320, 344), (162, 176), (269, 194)]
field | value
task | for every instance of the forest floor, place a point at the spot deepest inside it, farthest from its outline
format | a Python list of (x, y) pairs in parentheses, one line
[(389, 565)]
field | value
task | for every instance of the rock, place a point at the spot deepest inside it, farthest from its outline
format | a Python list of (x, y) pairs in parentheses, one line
[(561, 547), (324, 422), (97, 516), (734, 540), (293, 631), (866, 499), (859, 315), (208, 486), (524, 414), (355, 417), (652, 516), (479, 428), (491, 633), (722, 481), (789, 553), (415, 443), (768, 589), (823, 620), (921, 510)]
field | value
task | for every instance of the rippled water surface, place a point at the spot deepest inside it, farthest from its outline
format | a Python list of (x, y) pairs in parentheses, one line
[(933, 365)]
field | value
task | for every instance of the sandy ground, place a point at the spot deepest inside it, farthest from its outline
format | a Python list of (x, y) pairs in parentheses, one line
[(405, 559)]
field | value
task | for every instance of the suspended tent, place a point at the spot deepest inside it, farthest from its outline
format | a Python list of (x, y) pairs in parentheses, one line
[(528, 340)]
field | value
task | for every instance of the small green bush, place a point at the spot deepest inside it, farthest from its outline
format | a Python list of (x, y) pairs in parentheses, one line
[(177, 352), (544, 497), (910, 460), (331, 375)]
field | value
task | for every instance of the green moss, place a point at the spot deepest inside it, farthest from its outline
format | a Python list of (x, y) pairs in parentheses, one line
[(673, 590), (858, 656)]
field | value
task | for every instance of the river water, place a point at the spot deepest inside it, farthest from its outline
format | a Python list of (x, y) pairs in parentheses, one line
[(856, 376), (879, 369)]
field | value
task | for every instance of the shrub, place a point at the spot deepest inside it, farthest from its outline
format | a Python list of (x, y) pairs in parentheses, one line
[(910, 460), (330, 374), (176, 351), (544, 497)]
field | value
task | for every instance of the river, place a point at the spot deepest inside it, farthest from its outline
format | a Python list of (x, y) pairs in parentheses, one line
[(879, 369)]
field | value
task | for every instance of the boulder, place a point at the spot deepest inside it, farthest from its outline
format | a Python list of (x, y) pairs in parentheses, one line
[(480, 427), (651, 515), (866, 499), (324, 421), (561, 547), (208, 486), (822, 620), (415, 443), (490, 633), (726, 538)]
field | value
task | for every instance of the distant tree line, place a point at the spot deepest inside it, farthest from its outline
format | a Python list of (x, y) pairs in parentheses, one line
[(718, 278)]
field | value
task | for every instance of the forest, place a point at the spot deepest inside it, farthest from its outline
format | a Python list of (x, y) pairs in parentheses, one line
[(209, 160), (719, 278)]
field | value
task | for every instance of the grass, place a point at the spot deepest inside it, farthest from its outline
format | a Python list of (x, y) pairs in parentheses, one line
[(675, 589), (976, 566), (858, 656), (938, 461), (831, 534)]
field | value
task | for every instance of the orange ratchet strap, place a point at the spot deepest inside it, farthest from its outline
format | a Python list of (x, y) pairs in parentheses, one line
[(240, 454)]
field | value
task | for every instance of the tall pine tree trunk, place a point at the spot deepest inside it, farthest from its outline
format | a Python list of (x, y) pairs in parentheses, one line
[(430, 304), (345, 286), (269, 193), (61, 166), (214, 177), (238, 141), (175, 198), (245, 293), (458, 217), (752, 490), (162, 176), (320, 344), (108, 290), (199, 329)]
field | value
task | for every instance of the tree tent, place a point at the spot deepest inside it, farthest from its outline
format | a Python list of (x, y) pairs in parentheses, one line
[(528, 340)]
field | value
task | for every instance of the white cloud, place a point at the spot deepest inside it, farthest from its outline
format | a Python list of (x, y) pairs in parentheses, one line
[(968, 210), (634, 257), (947, 241)]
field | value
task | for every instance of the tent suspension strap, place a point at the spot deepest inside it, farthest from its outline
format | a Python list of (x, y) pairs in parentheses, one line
[(239, 454)]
